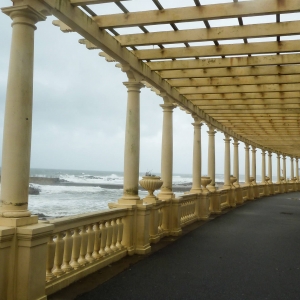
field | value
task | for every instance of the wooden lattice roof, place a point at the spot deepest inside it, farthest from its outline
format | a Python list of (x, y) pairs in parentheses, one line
[(235, 64)]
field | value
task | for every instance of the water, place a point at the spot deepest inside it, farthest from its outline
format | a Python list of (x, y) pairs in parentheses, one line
[(78, 197), (59, 200)]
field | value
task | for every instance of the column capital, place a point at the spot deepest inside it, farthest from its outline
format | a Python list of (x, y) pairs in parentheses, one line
[(263, 151), (247, 147), (167, 107), (211, 130), (227, 138), (270, 153), (235, 142), (253, 149), (134, 86), (23, 14), (197, 124)]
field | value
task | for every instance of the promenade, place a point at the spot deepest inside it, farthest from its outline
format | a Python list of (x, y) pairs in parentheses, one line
[(251, 252)]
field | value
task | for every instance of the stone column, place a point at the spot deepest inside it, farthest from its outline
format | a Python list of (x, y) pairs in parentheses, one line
[(263, 166), (132, 145), (211, 158), (297, 168), (292, 168), (196, 187), (284, 166), (278, 168), (270, 166), (247, 165), (227, 162), (236, 172), (253, 171), (167, 150), (18, 113)]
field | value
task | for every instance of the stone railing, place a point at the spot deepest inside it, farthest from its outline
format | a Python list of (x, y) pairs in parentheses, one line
[(83, 244), (70, 248), (188, 212)]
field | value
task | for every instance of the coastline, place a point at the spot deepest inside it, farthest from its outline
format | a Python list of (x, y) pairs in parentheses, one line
[(184, 187)]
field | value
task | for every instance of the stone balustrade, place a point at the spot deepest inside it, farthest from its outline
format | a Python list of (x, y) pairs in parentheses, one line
[(82, 244)]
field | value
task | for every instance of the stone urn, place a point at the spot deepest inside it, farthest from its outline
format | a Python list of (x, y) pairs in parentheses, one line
[(282, 179), (205, 180), (252, 180), (267, 179), (232, 180), (151, 184)]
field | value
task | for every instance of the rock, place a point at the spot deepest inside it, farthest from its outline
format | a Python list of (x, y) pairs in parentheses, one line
[(33, 190)]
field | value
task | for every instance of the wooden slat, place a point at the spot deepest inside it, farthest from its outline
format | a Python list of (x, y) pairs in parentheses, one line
[(267, 60), (210, 51), (198, 13), (211, 34)]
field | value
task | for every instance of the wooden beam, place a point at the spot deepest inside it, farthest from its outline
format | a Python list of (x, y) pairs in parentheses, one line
[(229, 81), (213, 112), (245, 96), (197, 13), (227, 72), (247, 102), (90, 2), (240, 89), (220, 50), (250, 107), (268, 60), (210, 34)]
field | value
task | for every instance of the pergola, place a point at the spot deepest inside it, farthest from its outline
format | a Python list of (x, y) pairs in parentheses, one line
[(244, 88), (247, 90)]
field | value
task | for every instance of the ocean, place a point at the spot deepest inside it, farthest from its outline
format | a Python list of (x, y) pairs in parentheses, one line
[(82, 191)]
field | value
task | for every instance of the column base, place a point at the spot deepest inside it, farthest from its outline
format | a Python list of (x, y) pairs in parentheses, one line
[(130, 201), (211, 188), (166, 195), (226, 187), (195, 191), (17, 222)]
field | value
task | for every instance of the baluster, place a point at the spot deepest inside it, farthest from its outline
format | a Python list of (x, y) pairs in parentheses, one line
[(96, 254), (59, 251), (108, 238), (114, 235), (76, 249), (103, 240), (160, 220), (120, 234), (67, 252), (50, 259), (91, 243), (83, 247)]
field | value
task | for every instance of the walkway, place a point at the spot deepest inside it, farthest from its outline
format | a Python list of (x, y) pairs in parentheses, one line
[(252, 252)]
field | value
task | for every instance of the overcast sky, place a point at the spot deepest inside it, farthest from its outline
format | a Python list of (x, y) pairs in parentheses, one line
[(80, 109)]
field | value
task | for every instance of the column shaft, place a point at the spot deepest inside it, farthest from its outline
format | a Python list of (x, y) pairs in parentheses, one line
[(278, 168), (18, 114), (197, 157), (227, 162), (247, 165), (284, 167), (297, 168), (292, 168), (132, 143), (167, 150), (253, 173), (270, 167), (211, 158), (236, 172), (263, 166)]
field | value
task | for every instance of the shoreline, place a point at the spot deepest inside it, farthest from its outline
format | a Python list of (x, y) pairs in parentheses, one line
[(58, 182)]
